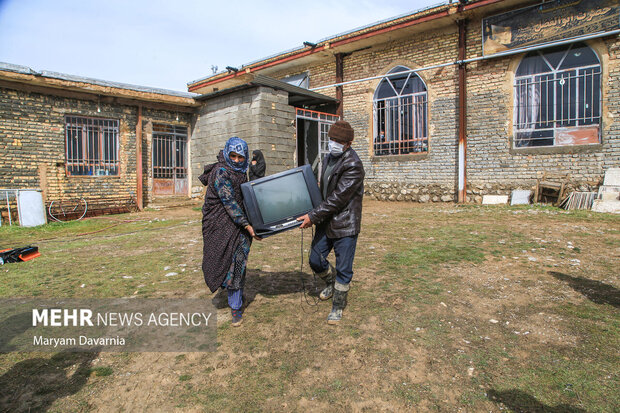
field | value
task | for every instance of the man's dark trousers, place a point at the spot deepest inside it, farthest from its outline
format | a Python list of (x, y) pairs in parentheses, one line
[(344, 249)]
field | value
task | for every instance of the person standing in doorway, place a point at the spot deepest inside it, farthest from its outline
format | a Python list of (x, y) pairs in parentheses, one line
[(338, 218), (257, 166)]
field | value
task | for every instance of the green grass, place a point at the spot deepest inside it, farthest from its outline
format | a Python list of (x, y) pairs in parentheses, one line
[(102, 371), (414, 327)]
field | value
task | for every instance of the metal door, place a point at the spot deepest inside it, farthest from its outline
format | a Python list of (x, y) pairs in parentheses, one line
[(169, 160), (313, 138)]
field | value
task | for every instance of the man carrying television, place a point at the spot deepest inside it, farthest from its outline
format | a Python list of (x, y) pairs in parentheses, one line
[(337, 218)]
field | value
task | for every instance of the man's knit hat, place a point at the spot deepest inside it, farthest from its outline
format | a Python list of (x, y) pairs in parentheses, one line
[(341, 130)]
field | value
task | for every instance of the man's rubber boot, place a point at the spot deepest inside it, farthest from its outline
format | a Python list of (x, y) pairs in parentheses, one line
[(339, 303), (329, 276)]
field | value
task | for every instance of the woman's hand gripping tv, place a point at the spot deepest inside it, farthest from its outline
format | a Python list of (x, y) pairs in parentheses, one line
[(250, 230)]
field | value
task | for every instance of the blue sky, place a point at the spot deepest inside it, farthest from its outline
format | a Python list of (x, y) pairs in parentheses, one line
[(167, 44)]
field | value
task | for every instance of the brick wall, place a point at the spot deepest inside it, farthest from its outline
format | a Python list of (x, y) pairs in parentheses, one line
[(493, 166), (261, 116), (32, 145)]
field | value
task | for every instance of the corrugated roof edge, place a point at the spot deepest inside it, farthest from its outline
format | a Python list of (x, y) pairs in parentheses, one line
[(326, 39), (99, 82), (9, 67)]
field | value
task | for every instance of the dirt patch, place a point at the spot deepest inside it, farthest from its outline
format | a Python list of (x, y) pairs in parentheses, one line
[(451, 309)]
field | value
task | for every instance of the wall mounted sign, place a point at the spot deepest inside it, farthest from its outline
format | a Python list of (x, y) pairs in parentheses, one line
[(548, 22)]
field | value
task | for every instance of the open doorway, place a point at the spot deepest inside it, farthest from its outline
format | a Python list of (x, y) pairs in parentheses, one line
[(312, 128)]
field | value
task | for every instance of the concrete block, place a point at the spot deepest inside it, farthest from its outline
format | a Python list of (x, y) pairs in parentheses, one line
[(494, 199), (600, 205), (609, 196), (520, 197), (612, 177)]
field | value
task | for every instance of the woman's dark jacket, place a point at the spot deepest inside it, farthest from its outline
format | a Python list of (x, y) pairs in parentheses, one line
[(341, 211), (258, 170), (220, 233)]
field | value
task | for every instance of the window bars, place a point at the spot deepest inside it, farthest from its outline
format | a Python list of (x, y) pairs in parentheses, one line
[(400, 125), (325, 122), (400, 114), (169, 152), (91, 146), (557, 98)]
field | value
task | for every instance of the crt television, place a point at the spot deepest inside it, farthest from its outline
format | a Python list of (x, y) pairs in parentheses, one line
[(274, 203)]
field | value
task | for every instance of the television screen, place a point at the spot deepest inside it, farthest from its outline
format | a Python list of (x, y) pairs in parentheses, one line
[(274, 202), (285, 197)]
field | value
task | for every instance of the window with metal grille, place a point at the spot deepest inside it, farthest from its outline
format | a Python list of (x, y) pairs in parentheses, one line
[(558, 97), (169, 151), (91, 146), (400, 114)]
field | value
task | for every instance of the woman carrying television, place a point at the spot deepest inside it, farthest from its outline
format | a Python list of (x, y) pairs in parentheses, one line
[(226, 231)]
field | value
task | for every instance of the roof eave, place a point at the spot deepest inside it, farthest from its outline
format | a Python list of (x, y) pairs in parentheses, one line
[(55, 81), (447, 10)]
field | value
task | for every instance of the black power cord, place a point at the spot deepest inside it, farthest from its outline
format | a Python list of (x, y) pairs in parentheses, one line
[(304, 296)]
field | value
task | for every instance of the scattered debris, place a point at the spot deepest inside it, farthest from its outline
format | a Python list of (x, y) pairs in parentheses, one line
[(494, 199), (19, 254), (520, 197), (579, 200)]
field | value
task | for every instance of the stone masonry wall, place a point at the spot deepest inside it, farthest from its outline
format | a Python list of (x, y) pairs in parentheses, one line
[(493, 165), (32, 146), (261, 116)]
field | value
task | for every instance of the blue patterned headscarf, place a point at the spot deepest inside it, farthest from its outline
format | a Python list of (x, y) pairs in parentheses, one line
[(237, 145)]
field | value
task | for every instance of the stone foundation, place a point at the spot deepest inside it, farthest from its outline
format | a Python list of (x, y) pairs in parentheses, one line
[(398, 191)]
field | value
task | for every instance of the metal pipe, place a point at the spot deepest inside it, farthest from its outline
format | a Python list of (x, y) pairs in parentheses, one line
[(8, 206), (476, 59), (384, 76), (543, 46), (462, 114), (139, 201), (339, 78)]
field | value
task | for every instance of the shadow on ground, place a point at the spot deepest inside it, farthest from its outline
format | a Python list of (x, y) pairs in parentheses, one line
[(593, 290), (273, 283), (34, 384), (13, 326), (521, 402)]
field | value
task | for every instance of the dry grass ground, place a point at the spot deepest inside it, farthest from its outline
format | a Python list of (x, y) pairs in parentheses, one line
[(452, 308)]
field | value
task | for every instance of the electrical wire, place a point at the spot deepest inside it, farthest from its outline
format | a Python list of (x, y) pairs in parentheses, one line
[(304, 296)]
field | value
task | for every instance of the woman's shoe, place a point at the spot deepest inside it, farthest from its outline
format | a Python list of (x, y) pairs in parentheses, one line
[(237, 317)]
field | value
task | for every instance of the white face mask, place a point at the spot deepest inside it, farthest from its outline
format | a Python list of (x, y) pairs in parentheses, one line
[(335, 148)]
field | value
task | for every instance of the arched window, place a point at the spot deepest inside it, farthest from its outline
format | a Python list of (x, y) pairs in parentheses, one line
[(558, 97), (399, 107)]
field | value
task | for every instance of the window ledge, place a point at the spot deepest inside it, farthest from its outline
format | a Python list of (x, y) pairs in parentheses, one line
[(92, 176), (400, 158), (543, 150)]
